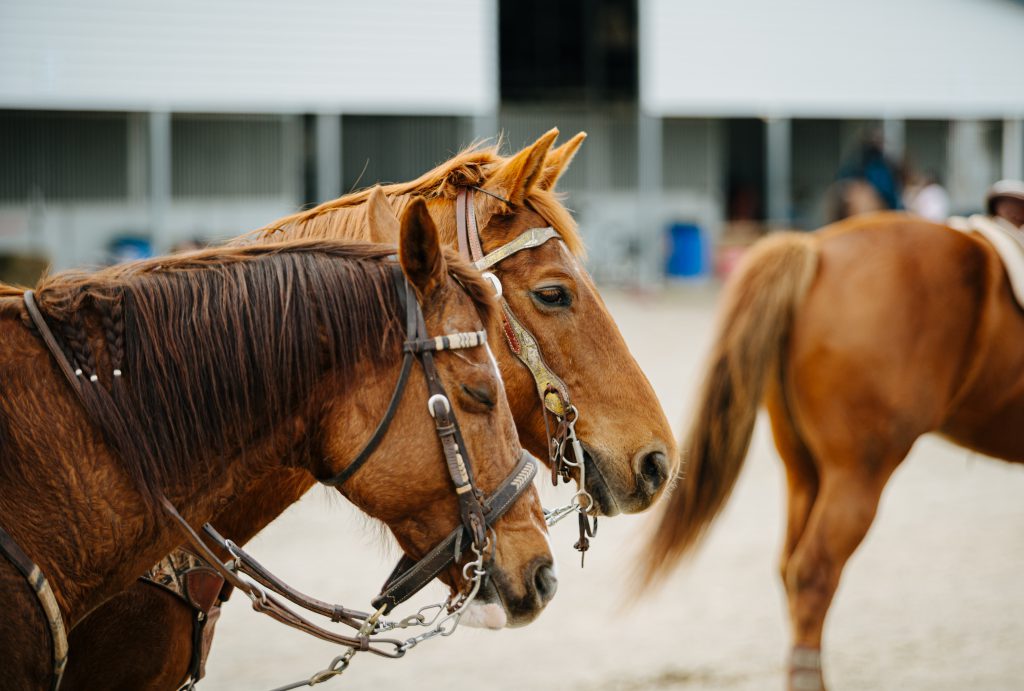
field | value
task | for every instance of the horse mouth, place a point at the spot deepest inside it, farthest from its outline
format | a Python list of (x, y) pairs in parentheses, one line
[(488, 611), (604, 501)]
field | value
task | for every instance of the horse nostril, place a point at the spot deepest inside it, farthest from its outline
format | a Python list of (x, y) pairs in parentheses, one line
[(653, 473), (545, 582)]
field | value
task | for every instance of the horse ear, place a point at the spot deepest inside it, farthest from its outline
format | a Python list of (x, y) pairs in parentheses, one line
[(517, 176), (380, 217), (419, 250), (558, 160)]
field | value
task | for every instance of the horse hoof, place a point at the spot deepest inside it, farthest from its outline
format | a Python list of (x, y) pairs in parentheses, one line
[(805, 670)]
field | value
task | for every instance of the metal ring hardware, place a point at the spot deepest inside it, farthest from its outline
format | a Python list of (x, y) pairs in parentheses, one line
[(495, 283), (435, 398)]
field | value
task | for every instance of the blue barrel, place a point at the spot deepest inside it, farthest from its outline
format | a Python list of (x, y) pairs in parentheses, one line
[(688, 253)]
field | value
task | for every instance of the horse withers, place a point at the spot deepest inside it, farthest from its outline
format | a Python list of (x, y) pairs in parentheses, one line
[(204, 373)]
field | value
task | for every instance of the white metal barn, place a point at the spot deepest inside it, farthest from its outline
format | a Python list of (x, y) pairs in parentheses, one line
[(205, 119)]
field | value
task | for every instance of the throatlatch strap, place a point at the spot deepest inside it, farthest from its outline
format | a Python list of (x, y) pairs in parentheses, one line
[(410, 577), (460, 222), (382, 427)]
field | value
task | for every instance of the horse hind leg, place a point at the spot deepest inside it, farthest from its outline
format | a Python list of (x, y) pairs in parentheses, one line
[(802, 484), (801, 475), (841, 515)]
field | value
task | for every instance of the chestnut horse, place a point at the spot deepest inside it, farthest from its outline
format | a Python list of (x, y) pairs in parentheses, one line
[(627, 441), (858, 338), (626, 438), (220, 368)]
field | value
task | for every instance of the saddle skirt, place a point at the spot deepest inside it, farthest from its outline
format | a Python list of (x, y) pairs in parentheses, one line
[(1007, 241), (190, 578)]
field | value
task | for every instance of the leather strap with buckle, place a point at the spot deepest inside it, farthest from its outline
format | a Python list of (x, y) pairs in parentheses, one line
[(552, 391)]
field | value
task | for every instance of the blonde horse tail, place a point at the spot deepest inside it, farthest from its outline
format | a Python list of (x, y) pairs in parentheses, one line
[(756, 315)]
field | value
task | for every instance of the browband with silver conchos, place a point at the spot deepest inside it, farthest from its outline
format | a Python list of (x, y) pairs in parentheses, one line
[(534, 237), (455, 341)]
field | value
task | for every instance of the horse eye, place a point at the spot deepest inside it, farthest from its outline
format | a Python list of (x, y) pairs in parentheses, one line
[(479, 395), (553, 296)]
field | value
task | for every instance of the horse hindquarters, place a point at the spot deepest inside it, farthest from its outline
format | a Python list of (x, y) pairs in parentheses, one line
[(878, 350), (139, 639)]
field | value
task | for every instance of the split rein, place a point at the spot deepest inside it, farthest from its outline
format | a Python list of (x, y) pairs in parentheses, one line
[(478, 514)]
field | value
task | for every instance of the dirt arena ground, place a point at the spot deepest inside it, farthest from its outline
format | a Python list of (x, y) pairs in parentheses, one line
[(934, 599)]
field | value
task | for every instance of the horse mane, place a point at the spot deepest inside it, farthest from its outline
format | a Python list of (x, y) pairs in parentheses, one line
[(217, 347), (469, 168)]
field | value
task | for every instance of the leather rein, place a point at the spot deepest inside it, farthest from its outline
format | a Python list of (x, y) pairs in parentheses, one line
[(478, 513)]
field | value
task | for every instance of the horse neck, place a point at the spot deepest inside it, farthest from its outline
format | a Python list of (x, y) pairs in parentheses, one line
[(67, 499), (265, 498), (262, 502)]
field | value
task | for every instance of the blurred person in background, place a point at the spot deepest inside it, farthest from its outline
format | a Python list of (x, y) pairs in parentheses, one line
[(870, 164), (851, 196), (1005, 203), (927, 198)]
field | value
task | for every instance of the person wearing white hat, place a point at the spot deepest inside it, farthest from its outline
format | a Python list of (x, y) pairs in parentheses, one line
[(1005, 202)]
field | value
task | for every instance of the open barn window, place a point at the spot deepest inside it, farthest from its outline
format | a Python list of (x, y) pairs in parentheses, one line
[(577, 50)]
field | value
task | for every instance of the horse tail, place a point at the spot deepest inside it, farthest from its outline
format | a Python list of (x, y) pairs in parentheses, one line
[(758, 308)]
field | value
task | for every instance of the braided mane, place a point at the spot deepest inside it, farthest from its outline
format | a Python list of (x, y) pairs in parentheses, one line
[(217, 347)]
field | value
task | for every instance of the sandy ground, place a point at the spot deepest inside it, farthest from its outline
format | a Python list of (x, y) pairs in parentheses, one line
[(934, 599)]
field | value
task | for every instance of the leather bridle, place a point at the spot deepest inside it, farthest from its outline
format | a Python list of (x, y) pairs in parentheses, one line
[(551, 389), (478, 513)]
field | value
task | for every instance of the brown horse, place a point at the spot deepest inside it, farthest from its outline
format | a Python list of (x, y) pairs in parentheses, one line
[(859, 339), (626, 437), (222, 367), (628, 441)]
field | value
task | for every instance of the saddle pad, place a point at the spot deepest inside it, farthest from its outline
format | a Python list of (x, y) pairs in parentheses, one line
[(1007, 241)]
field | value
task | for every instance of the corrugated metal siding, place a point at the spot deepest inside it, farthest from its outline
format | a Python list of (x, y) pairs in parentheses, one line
[(688, 150), (395, 149), (927, 145), (49, 156), (387, 56), (608, 159), (218, 156)]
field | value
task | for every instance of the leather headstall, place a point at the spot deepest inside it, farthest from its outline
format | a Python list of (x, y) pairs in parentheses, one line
[(478, 511)]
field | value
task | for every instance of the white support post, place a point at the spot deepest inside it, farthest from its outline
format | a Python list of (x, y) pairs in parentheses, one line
[(485, 127), (970, 171), (159, 178), (328, 156), (778, 160), (649, 214), (1013, 149), (894, 138)]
